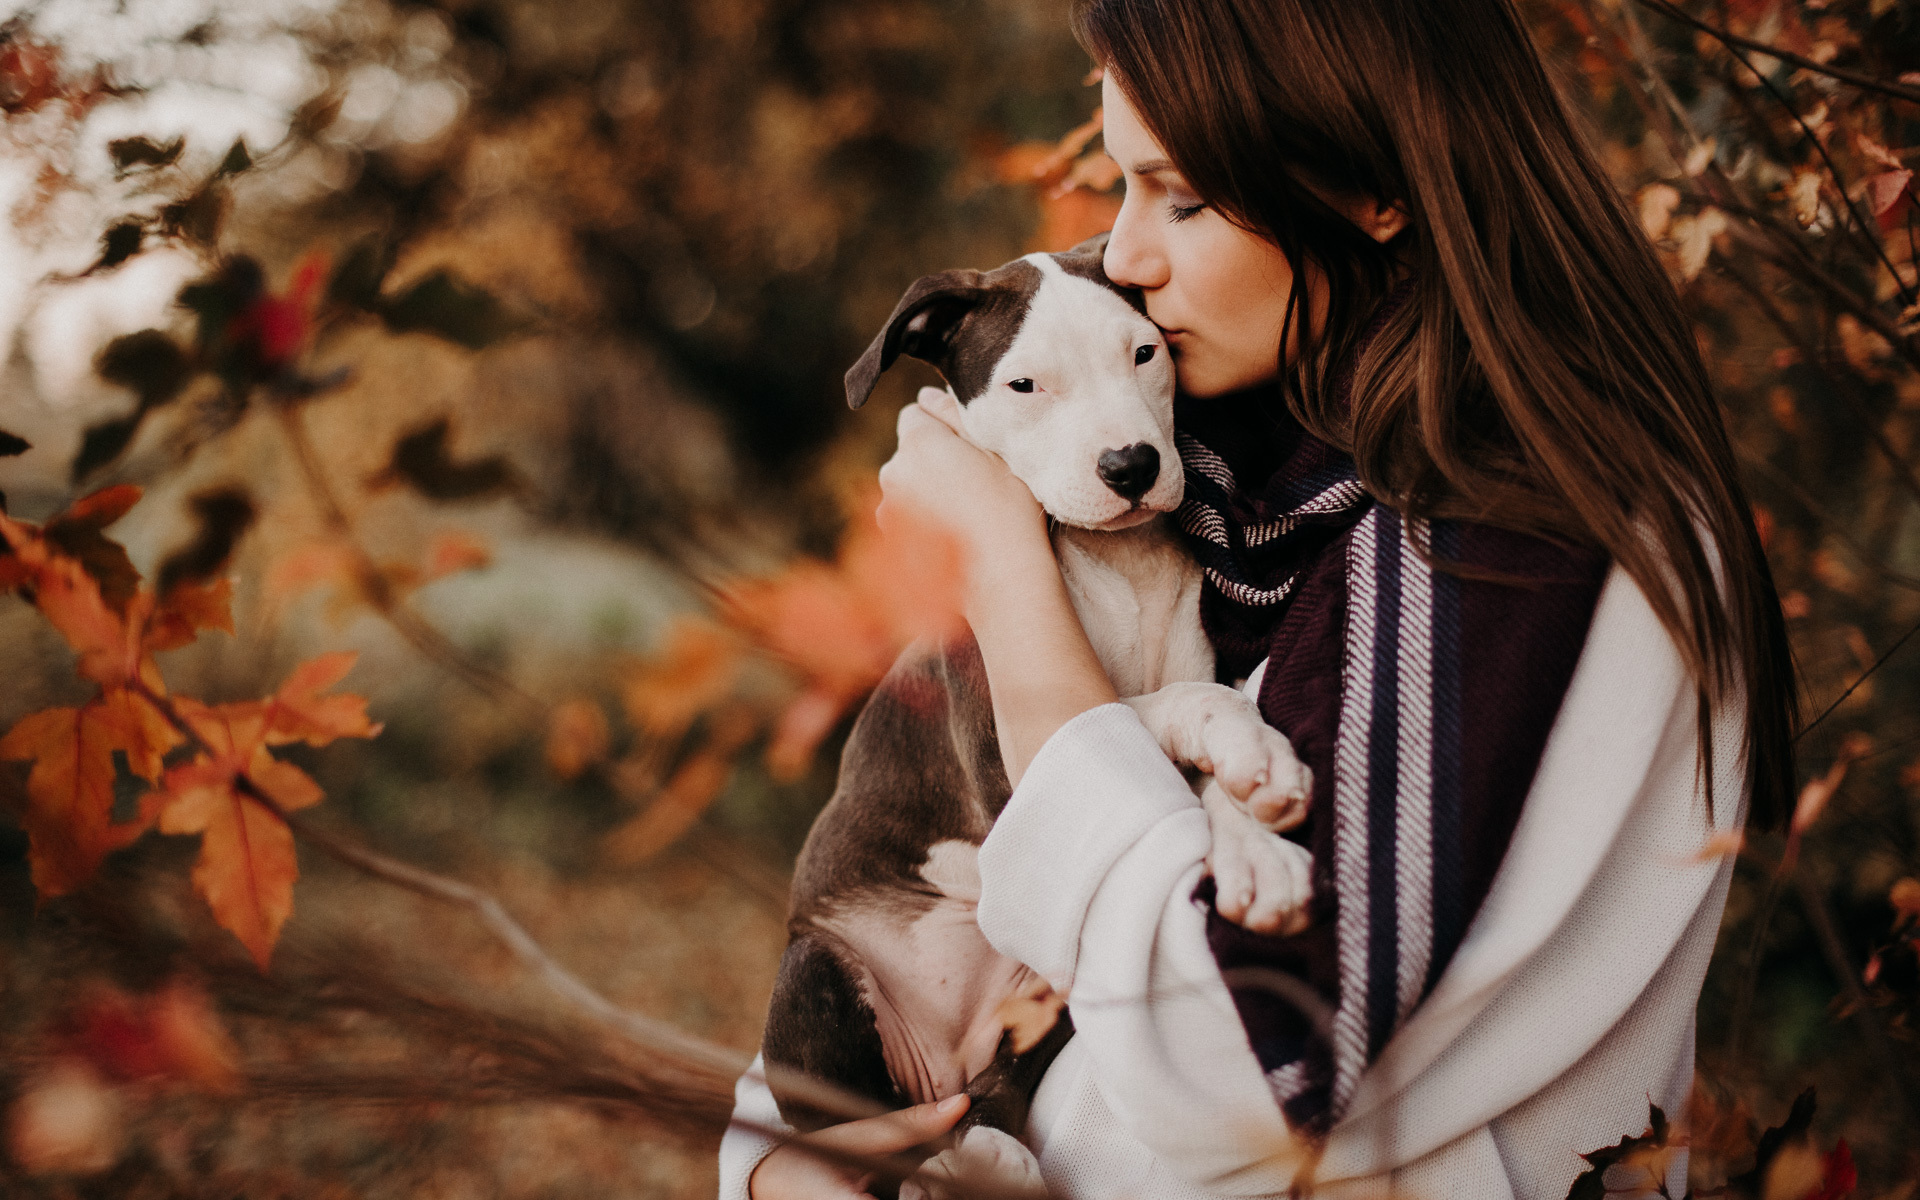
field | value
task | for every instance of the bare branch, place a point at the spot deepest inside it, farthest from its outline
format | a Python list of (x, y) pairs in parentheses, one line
[(1832, 524), (418, 632), (1820, 916), (1899, 91), (655, 1036)]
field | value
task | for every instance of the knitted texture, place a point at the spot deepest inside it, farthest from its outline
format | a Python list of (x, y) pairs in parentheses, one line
[(1447, 685)]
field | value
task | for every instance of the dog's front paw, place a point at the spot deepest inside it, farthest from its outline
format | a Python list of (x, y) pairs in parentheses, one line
[(986, 1161), (1255, 764), (1261, 880)]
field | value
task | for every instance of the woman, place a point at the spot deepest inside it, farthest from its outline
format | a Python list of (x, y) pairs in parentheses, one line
[(1471, 521)]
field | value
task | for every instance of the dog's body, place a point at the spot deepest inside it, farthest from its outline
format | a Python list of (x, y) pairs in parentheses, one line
[(888, 986)]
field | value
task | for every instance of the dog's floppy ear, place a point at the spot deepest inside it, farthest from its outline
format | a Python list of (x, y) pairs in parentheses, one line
[(922, 326)]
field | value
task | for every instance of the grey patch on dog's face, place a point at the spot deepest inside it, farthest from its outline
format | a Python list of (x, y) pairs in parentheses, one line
[(981, 338), (1085, 375), (1088, 261), (962, 322)]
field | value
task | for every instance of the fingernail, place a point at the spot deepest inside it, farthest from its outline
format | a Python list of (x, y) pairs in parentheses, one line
[(952, 1104)]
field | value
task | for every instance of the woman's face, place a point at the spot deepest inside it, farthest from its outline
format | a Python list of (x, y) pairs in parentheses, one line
[(1219, 292)]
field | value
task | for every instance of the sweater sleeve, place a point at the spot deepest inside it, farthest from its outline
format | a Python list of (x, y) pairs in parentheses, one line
[(1088, 878), (1569, 1003), (747, 1143)]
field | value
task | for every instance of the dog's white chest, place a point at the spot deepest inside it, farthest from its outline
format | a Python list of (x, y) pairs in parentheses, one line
[(1138, 595)]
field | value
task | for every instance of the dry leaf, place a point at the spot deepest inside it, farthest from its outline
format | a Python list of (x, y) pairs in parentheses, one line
[(1794, 1174), (66, 1120), (452, 552), (1700, 156), (70, 789), (1803, 197), (1819, 790), (577, 737), (697, 667), (1657, 202), (1694, 236), (1905, 898), (1885, 189), (842, 626), (299, 713)]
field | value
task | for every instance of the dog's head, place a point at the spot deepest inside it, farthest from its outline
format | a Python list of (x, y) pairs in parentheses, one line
[(1057, 371)]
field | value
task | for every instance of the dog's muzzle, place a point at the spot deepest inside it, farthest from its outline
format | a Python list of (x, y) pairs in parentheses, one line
[(1131, 470)]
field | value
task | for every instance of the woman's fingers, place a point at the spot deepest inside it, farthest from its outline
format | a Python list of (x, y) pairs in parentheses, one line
[(941, 404), (877, 1137), (815, 1167), (937, 472)]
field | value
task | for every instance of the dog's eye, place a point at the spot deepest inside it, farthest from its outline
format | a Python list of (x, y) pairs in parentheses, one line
[(1144, 354), (1021, 385)]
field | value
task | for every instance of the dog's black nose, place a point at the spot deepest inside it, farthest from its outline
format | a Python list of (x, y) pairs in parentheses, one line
[(1130, 471)]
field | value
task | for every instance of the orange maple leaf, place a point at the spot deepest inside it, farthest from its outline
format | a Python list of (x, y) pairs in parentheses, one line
[(189, 608), (71, 601), (299, 713), (247, 864), (70, 789), (693, 670), (843, 625), (354, 580)]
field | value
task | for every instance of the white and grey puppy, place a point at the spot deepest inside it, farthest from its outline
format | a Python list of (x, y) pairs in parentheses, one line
[(887, 986)]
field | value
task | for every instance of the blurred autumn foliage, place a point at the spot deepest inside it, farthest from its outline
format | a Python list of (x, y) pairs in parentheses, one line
[(498, 343)]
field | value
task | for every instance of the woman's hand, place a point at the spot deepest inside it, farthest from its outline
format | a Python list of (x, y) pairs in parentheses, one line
[(1041, 670), (937, 472), (794, 1173)]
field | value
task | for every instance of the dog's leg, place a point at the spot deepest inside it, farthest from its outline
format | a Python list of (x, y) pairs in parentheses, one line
[(1261, 880), (1220, 731)]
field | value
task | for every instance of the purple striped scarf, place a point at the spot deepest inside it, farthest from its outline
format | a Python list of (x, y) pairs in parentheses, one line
[(1413, 804)]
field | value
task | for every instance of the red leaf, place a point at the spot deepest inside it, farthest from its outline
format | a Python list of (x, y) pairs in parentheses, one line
[(1838, 1177)]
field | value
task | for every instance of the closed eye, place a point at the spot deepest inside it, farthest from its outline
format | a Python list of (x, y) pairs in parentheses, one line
[(1144, 354), (1021, 385)]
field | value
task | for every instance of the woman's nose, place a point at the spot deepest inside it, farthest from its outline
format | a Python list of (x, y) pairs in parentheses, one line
[(1134, 258)]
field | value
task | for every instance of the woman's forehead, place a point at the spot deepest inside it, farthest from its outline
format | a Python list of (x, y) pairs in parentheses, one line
[(1128, 141)]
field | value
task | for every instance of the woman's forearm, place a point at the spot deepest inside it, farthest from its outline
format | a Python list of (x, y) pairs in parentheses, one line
[(1041, 669)]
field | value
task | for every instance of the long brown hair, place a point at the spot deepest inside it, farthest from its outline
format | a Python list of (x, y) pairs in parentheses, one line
[(1543, 378)]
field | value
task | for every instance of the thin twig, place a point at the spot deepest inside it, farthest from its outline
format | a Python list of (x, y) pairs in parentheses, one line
[(1820, 917), (656, 1036), (1833, 168), (1855, 685), (1898, 91), (1832, 524), (1903, 470), (417, 631)]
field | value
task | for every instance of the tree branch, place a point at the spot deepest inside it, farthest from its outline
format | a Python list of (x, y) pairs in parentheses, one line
[(418, 632), (655, 1036), (1902, 469), (1820, 916), (1898, 91)]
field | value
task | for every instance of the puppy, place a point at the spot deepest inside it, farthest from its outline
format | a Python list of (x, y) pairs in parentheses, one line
[(887, 986)]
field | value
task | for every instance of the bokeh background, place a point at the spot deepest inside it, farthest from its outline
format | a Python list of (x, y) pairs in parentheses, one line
[(526, 388)]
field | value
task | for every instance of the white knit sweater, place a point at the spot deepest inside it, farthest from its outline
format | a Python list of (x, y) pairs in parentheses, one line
[(1569, 1005)]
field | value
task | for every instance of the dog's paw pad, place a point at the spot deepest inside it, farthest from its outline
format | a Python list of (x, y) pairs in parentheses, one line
[(1256, 766), (1261, 880)]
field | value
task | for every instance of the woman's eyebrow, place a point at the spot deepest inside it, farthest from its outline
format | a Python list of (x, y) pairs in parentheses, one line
[(1152, 166)]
